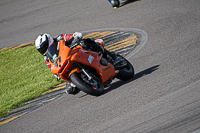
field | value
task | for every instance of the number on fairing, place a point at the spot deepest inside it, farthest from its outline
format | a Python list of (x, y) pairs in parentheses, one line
[(90, 59)]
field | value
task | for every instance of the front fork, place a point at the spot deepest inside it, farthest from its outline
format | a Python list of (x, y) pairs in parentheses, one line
[(89, 77)]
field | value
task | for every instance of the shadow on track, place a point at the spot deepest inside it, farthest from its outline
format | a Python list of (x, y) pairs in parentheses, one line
[(125, 2), (119, 83)]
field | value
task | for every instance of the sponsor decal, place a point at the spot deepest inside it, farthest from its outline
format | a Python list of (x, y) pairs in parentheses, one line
[(90, 59)]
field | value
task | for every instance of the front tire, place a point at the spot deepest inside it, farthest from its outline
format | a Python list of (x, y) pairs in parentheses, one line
[(86, 86)]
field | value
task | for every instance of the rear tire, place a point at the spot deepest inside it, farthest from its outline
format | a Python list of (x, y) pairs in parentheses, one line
[(86, 87), (125, 72)]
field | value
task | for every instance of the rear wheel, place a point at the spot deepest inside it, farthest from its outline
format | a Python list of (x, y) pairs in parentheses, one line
[(92, 86), (126, 70)]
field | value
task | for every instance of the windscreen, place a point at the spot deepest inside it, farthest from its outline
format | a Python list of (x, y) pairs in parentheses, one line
[(53, 51)]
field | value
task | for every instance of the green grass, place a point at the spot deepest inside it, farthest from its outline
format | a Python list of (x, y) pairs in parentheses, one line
[(23, 76)]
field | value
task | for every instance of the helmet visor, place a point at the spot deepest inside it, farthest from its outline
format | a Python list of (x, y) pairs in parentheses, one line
[(43, 46)]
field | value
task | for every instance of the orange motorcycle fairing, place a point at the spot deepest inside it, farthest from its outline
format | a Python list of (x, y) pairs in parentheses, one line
[(63, 65), (93, 60)]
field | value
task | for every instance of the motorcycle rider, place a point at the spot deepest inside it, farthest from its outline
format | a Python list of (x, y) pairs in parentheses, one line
[(44, 41)]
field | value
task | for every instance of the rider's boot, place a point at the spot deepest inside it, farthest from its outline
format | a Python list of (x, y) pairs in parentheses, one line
[(113, 58), (110, 56), (71, 88), (106, 54)]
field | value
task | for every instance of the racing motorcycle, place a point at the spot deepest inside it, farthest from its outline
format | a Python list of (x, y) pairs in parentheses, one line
[(89, 71)]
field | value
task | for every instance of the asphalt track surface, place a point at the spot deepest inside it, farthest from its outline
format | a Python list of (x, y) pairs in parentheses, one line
[(164, 95)]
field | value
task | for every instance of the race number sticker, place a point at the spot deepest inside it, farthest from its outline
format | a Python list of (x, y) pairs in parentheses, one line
[(90, 59)]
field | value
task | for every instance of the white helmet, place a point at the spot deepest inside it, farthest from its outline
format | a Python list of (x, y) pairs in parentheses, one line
[(42, 42)]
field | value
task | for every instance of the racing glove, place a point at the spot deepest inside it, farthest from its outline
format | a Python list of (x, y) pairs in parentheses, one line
[(77, 37)]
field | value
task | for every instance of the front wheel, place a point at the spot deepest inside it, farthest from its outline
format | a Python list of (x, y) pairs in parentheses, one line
[(92, 86), (126, 71)]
